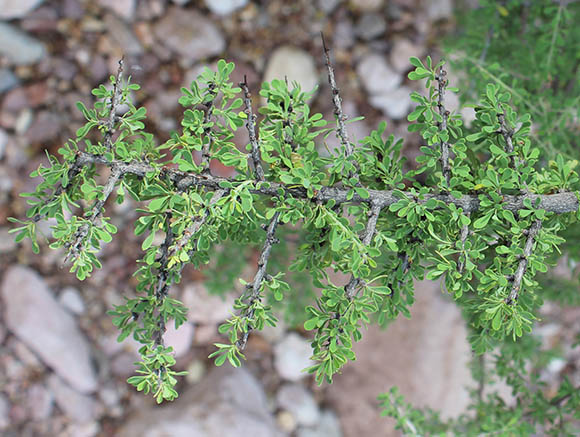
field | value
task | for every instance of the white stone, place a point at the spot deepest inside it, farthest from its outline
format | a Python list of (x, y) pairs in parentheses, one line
[(293, 63), (296, 399), (327, 426), (180, 339), (19, 47), (376, 75), (32, 314), (39, 402), (71, 299), (78, 407), (17, 8), (189, 34), (370, 26), (225, 7), (123, 8), (8, 80), (4, 410), (122, 33), (402, 50), (7, 243), (395, 103), (292, 356)]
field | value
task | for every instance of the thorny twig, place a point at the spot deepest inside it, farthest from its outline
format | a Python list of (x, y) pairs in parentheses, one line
[(441, 78), (251, 127), (206, 147), (110, 124)]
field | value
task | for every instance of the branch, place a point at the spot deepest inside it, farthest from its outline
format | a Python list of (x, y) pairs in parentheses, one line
[(444, 113), (558, 203), (251, 127), (206, 147), (115, 99), (523, 264), (260, 274), (368, 235)]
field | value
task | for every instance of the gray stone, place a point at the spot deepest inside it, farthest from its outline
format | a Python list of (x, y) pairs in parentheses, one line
[(367, 5), (8, 80), (328, 6), (225, 7), (292, 356), (71, 299), (180, 339), (293, 63), (296, 399), (39, 402), (3, 143), (327, 426), (10, 9), (439, 9), (376, 75), (123, 35), (402, 50), (394, 103), (4, 412), (370, 26), (32, 314), (123, 8), (78, 407), (19, 47), (189, 34), (227, 403)]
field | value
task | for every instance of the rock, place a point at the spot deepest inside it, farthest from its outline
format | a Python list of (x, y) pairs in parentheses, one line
[(78, 407), (123, 8), (203, 307), (328, 425), (292, 356), (343, 37), (3, 144), (71, 299), (189, 34), (272, 334), (123, 35), (19, 47), (180, 339), (46, 127), (181, 2), (10, 9), (286, 421), (7, 80), (402, 50), (367, 5), (4, 412), (299, 402), (439, 9), (39, 402), (195, 372), (370, 26), (395, 103), (225, 7), (293, 63), (327, 6), (227, 403), (376, 75), (32, 314)]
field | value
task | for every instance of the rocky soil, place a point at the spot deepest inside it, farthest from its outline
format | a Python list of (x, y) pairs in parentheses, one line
[(61, 370)]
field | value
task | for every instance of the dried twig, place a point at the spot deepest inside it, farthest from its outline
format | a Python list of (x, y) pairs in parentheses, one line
[(251, 127), (441, 78)]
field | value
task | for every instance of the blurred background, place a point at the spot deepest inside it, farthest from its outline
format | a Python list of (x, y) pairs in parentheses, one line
[(61, 370)]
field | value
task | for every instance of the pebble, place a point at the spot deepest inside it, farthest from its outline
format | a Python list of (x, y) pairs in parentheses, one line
[(327, 6), (225, 7), (44, 127), (189, 34), (402, 50), (123, 35), (227, 403), (327, 426), (300, 403), (4, 412), (293, 63), (370, 26), (394, 103), (205, 308), (18, 47), (286, 421), (376, 75), (292, 356), (180, 339), (366, 5), (78, 407), (125, 9), (71, 299), (3, 144), (10, 9), (439, 9), (8, 80), (35, 317), (39, 402)]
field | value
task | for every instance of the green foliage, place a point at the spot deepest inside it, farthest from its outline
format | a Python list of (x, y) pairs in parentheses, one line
[(450, 219)]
